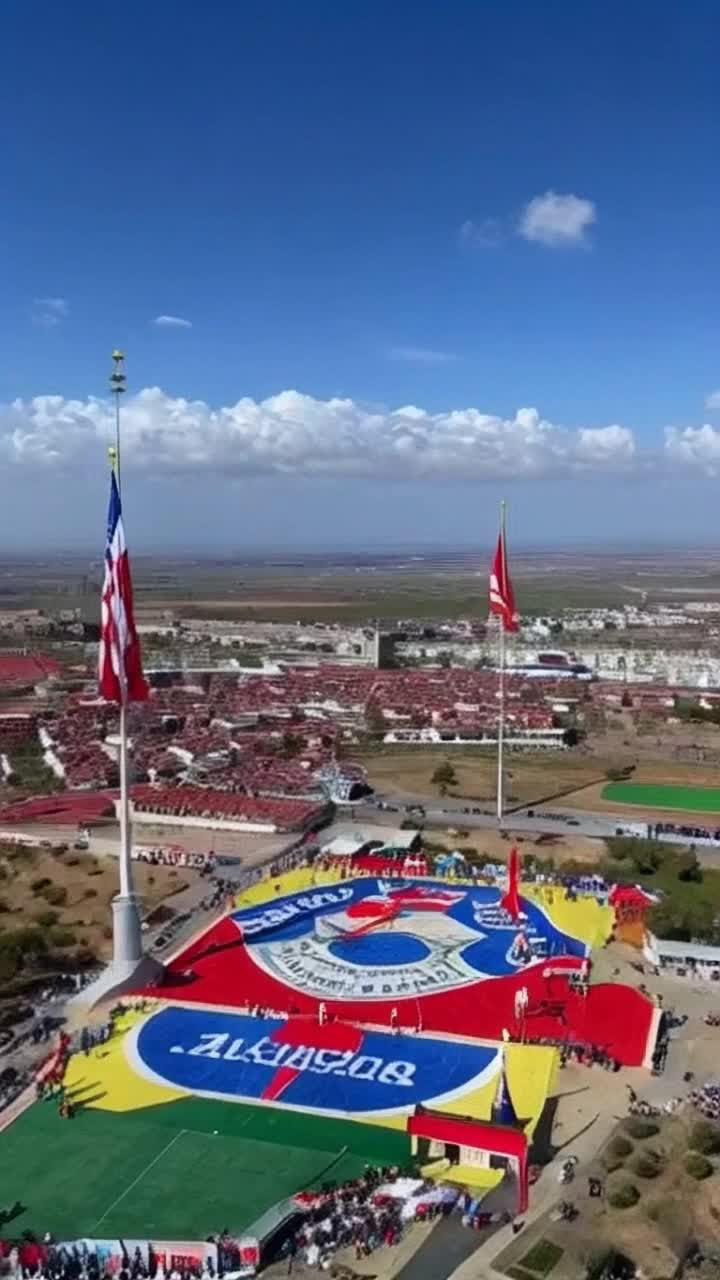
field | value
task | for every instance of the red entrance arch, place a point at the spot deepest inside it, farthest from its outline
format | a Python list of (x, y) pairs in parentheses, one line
[(497, 1139)]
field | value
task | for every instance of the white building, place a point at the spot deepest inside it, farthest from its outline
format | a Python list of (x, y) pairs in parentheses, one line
[(683, 959)]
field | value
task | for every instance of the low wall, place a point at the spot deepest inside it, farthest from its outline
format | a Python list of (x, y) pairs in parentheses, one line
[(140, 816)]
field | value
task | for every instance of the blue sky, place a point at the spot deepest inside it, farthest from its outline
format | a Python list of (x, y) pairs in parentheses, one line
[(353, 201)]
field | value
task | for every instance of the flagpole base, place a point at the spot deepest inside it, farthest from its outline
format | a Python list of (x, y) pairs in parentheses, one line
[(113, 984), (127, 932), (130, 968)]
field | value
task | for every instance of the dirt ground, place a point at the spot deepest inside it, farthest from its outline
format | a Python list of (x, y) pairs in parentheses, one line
[(90, 884), (623, 737), (672, 1208), (576, 779), (250, 847), (491, 844), (529, 778)]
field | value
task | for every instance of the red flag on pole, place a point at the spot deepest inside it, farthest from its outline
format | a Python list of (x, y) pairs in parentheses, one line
[(502, 596), (120, 674)]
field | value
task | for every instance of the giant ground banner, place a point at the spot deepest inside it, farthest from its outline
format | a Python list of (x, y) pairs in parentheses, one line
[(427, 955)]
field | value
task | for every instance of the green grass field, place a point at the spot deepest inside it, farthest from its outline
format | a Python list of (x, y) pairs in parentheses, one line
[(163, 1172), (686, 799)]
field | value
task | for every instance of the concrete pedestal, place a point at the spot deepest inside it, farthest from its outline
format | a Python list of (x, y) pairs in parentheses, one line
[(129, 969)]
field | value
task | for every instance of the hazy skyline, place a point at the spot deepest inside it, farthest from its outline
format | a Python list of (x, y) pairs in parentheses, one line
[(373, 270)]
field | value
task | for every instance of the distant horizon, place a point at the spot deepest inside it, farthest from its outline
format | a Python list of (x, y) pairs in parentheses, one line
[(284, 554)]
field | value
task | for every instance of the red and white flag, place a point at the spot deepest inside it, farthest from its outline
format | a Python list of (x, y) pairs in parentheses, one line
[(120, 673), (502, 596)]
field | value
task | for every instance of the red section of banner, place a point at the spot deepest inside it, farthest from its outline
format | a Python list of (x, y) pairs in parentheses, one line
[(219, 969)]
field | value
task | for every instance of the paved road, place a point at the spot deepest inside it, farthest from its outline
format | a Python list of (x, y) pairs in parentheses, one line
[(550, 820), (450, 1244), (447, 1246), (594, 825)]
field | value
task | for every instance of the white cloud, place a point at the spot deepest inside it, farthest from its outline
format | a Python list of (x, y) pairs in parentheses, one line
[(49, 311), (291, 433), (482, 235), (421, 355), (713, 400), (557, 221), (172, 322), (694, 446)]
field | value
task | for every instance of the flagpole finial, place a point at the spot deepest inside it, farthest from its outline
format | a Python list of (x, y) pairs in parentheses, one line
[(112, 455), (118, 380)]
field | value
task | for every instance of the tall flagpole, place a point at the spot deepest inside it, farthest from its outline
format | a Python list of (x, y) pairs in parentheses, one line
[(130, 969), (127, 938), (501, 688)]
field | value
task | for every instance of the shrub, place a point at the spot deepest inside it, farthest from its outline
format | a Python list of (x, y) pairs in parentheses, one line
[(46, 919), (4, 906), (620, 1146), (689, 869), (647, 1164), (37, 886), (639, 1127), (613, 1163), (20, 947), (624, 1196), (705, 1137), (62, 937), (697, 1166), (55, 895), (95, 871), (90, 893), (607, 1262)]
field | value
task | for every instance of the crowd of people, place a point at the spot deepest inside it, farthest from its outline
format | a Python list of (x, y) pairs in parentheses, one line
[(707, 1100), (473, 1216), (31, 1259), (362, 1215), (220, 893), (684, 830), (585, 1055), (13, 1083), (173, 855)]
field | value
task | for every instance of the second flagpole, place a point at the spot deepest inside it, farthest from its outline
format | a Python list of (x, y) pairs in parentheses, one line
[(501, 687)]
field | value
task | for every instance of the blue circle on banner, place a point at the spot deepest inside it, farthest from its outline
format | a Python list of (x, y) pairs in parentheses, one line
[(390, 939), (380, 949)]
